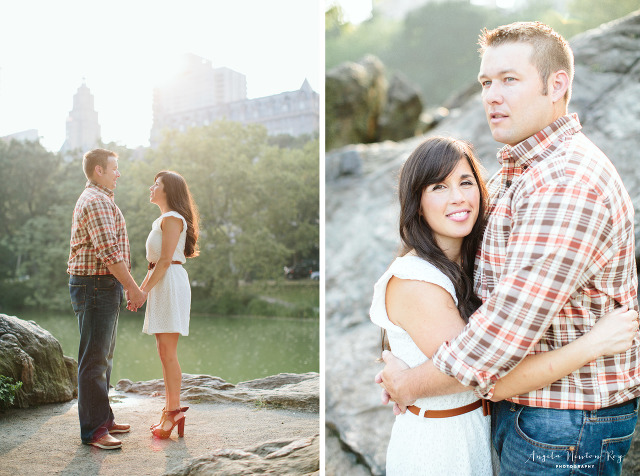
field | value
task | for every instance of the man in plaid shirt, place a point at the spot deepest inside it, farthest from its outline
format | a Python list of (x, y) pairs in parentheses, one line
[(557, 254), (99, 268)]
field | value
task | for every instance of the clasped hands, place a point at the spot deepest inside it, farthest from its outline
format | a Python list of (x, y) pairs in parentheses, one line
[(136, 299), (390, 379)]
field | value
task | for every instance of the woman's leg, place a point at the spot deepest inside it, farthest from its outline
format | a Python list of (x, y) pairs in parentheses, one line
[(167, 344)]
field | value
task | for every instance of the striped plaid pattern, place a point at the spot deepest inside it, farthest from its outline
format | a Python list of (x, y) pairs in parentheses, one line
[(557, 254), (98, 233)]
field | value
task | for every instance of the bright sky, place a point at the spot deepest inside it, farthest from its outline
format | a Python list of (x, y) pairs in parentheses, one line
[(354, 11), (124, 47)]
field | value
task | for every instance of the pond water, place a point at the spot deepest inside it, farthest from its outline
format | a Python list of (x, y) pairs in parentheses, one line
[(235, 349)]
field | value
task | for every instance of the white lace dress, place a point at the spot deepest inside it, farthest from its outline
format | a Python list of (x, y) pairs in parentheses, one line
[(459, 445), (169, 301)]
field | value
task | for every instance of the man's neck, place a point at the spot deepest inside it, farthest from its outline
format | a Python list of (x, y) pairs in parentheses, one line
[(106, 190)]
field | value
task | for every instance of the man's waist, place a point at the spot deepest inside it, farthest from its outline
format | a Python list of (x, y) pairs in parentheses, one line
[(92, 275), (576, 401), (613, 407)]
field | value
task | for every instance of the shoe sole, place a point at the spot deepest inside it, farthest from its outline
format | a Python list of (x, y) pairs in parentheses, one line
[(118, 431), (106, 447)]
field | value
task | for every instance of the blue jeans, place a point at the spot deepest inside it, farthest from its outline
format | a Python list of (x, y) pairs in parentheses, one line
[(96, 303), (544, 441)]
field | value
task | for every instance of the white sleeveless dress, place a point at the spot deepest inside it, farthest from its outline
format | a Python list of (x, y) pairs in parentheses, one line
[(459, 445), (169, 301)]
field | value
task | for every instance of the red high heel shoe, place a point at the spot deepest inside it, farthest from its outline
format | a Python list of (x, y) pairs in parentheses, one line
[(152, 427), (161, 433)]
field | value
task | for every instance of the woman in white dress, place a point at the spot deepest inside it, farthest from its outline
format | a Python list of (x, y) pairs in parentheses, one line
[(173, 238), (425, 298)]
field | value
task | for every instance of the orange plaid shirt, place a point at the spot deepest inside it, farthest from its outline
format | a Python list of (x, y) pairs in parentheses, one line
[(98, 233), (557, 254)]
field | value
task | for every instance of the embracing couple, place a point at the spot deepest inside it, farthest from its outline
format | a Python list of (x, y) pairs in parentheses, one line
[(522, 293), (100, 273)]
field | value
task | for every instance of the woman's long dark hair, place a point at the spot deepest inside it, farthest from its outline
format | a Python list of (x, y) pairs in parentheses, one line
[(180, 200), (432, 162)]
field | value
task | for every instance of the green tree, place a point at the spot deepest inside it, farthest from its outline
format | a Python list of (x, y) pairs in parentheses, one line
[(238, 181), (433, 56), (258, 205), (347, 42), (30, 190)]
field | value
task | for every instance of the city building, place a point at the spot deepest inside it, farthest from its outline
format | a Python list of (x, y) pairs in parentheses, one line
[(83, 129), (201, 94), (30, 135)]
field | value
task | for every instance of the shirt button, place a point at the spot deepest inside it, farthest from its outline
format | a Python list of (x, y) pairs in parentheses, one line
[(508, 183)]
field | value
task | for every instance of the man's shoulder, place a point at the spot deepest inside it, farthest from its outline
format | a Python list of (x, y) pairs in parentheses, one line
[(91, 198), (574, 156)]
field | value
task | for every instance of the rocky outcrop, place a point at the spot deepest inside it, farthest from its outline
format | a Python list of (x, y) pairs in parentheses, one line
[(30, 354), (301, 456), (402, 110), (291, 391), (362, 106), (362, 238)]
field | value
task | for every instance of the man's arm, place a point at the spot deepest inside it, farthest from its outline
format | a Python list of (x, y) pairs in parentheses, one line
[(133, 292), (612, 334), (101, 227)]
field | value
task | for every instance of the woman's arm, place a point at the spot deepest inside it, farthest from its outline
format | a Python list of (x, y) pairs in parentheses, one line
[(146, 278), (612, 334), (171, 229), (429, 315)]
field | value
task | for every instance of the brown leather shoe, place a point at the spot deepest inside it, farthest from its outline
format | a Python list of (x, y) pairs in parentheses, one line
[(123, 428), (107, 442)]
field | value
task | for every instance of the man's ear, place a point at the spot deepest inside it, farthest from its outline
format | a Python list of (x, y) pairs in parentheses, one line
[(98, 171), (559, 83)]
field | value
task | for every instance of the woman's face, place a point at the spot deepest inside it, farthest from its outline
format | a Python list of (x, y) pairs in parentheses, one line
[(158, 194), (451, 207)]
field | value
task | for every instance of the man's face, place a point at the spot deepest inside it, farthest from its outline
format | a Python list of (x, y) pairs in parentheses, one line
[(108, 176), (512, 95)]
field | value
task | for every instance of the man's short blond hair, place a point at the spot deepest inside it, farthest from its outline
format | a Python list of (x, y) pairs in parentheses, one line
[(96, 157), (551, 52)]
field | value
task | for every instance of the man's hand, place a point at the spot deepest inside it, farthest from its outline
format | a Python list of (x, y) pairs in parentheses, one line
[(392, 380), (135, 298)]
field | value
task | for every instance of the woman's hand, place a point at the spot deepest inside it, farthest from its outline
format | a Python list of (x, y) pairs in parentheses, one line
[(135, 305), (614, 332)]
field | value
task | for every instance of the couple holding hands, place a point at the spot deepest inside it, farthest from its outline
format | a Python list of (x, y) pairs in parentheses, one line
[(99, 267)]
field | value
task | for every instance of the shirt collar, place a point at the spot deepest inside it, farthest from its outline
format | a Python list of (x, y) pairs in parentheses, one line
[(100, 188), (530, 150)]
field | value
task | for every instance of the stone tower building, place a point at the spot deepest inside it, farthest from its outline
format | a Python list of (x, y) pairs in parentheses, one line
[(83, 129)]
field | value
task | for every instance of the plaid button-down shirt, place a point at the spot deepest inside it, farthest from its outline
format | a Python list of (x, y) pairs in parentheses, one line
[(557, 254), (98, 233)]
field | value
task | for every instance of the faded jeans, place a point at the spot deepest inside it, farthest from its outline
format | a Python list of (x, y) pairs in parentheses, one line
[(96, 303), (544, 441)]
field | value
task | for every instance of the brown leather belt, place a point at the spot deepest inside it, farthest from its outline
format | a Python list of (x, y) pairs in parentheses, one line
[(486, 410), (153, 265)]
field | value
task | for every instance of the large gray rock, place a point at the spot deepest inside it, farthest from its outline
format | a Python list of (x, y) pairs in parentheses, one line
[(30, 354), (355, 95), (285, 390), (301, 457), (362, 106), (402, 110), (362, 238)]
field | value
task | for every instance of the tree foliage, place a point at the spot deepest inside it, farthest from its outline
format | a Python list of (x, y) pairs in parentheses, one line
[(258, 206)]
